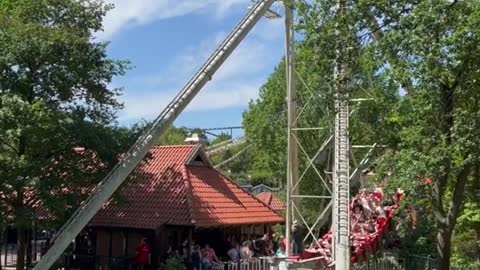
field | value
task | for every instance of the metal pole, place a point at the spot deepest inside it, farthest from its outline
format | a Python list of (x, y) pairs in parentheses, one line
[(341, 172), (137, 152), (292, 159)]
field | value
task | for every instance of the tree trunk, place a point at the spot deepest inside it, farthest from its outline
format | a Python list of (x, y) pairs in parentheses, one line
[(444, 237), (4, 245), (29, 249), (21, 248)]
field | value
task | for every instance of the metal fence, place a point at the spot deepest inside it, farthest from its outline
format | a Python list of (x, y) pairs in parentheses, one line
[(262, 263), (417, 262), (382, 263), (8, 253), (411, 262), (267, 263), (85, 262)]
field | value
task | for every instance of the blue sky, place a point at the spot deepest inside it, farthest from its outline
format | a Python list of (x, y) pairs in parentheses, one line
[(167, 40)]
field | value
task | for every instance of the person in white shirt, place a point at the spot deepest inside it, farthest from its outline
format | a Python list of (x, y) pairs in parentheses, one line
[(245, 252)]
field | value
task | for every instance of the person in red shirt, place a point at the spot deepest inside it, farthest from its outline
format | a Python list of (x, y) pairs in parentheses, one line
[(209, 257), (143, 254)]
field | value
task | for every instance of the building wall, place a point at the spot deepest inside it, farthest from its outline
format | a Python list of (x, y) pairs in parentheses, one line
[(103, 243), (123, 242), (117, 242), (133, 239), (249, 232)]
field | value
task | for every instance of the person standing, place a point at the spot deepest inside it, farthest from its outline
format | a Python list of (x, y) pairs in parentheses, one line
[(275, 244), (245, 251), (297, 240), (143, 254), (234, 252), (281, 255), (209, 257), (196, 258), (261, 246)]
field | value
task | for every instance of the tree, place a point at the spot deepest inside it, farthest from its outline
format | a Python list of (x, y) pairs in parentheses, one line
[(221, 138), (431, 48), (265, 121), (54, 96), (174, 136), (426, 49)]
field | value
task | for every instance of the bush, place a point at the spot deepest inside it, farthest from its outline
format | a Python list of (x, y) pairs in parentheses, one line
[(173, 263)]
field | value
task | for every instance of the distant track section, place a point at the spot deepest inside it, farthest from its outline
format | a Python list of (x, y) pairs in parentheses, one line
[(232, 157), (224, 147)]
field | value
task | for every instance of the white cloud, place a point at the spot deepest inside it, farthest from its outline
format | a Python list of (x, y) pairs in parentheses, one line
[(226, 96), (234, 85), (130, 13), (212, 98), (254, 54)]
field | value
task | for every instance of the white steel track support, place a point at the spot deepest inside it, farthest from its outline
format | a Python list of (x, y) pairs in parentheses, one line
[(120, 172), (232, 157), (341, 169), (225, 147), (292, 149)]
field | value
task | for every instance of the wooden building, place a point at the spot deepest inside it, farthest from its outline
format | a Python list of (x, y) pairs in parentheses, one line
[(173, 196)]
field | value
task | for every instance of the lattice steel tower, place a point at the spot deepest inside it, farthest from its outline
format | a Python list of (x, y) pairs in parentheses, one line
[(337, 190)]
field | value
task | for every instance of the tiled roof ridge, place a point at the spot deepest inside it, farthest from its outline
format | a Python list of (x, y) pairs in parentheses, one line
[(175, 146), (268, 194), (249, 194), (270, 198), (187, 183), (189, 192)]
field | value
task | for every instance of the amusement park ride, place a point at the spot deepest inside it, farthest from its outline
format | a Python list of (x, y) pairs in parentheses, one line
[(338, 191)]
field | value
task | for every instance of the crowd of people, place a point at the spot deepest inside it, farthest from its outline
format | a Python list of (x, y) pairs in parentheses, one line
[(206, 258), (263, 247), (371, 214)]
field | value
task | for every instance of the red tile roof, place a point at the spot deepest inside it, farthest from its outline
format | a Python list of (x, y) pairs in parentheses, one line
[(170, 189), (271, 200)]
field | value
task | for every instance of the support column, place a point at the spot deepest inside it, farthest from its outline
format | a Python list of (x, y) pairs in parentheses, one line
[(341, 172), (6, 246), (28, 255), (292, 160), (190, 245), (110, 247), (126, 242), (35, 248)]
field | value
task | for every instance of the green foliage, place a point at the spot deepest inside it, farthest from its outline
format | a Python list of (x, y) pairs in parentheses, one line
[(427, 49), (265, 121), (466, 239), (174, 136), (430, 47), (221, 138), (265, 126), (174, 263), (55, 95)]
